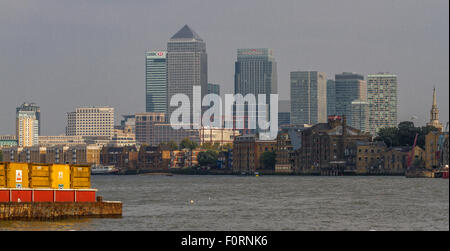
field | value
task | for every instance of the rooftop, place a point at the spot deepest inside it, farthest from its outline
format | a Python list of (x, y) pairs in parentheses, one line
[(186, 33)]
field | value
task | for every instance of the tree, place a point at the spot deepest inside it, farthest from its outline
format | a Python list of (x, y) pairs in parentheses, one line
[(404, 134), (268, 160), (171, 145), (226, 147), (1, 156), (389, 136), (208, 158), (189, 144)]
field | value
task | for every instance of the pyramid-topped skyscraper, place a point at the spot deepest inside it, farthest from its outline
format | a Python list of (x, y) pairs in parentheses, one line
[(187, 65), (186, 33)]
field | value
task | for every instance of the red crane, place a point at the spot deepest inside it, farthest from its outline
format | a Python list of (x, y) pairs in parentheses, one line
[(411, 155)]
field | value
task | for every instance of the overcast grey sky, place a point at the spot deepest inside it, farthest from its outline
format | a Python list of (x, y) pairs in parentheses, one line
[(64, 54)]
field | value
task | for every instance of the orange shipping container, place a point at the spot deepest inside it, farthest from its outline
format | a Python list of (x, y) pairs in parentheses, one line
[(80, 176), (60, 176), (81, 171), (39, 175), (39, 170), (81, 183), (2, 175), (17, 175)]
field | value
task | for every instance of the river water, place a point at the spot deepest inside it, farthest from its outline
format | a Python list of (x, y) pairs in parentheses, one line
[(232, 203)]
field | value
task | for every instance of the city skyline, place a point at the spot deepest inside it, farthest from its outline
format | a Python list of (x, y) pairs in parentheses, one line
[(60, 81)]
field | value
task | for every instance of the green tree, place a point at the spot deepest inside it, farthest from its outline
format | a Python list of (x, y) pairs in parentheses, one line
[(268, 160), (208, 158), (389, 136), (226, 147), (172, 145), (1, 156), (189, 144), (404, 134)]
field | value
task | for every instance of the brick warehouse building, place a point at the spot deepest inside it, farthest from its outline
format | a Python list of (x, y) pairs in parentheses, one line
[(247, 151), (324, 147)]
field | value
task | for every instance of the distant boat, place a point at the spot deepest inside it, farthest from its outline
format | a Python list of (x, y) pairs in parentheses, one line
[(103, 170)]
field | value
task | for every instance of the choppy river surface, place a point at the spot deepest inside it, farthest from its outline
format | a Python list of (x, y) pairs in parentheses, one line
[(264, 203)]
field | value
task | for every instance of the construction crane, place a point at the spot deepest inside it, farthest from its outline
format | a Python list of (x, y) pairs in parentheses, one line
[(411, 155)]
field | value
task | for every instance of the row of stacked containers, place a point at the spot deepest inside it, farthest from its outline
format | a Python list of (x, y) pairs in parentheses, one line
[(32, 182)]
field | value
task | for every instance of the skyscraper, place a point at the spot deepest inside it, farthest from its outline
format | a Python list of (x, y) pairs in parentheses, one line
[(156, 81), (360, 115), (213, 89), (284, 112), (27, 128), (32, 107), (255, 73), (382, 99), (331, 97), (308, 97), (187, 65), (349, 87)]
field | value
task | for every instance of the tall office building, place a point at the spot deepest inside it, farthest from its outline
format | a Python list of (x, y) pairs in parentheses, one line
[(156, 81), (213, 89), (187, 66), (284, 112), (349, 87), (360, 115), (32, 107), (255, 73), (331, 97), (382, 98), (27, 128), (91, 122), (308, 97)]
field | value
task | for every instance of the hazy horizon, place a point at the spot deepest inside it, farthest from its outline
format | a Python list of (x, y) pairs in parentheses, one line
[(66, 54)]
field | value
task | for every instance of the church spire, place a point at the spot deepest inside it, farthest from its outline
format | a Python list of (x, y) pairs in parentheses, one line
[(434, 98), (434, 113)]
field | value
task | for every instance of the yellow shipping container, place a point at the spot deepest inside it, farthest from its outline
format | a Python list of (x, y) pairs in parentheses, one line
[(81, 171), (17, 175), (3, 181), (81, 176), (39, 175), (40, 182), (39, 170), (81, 183), (2, 169), (2, 175), (60, 176)]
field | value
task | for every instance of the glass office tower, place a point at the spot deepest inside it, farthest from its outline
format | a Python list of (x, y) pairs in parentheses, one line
[(308, 97), (331, 97), (256, 73), (349, 87), (156, 81)]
